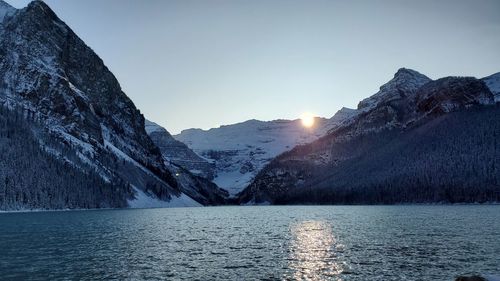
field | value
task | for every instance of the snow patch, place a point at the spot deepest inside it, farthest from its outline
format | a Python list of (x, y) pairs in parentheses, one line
[(233, 181), (77, 91), (108, 145), (241, 150), (405, 80), (86, 148), (142, 200)]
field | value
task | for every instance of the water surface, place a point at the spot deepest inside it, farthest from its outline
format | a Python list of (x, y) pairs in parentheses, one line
[(247, 243)]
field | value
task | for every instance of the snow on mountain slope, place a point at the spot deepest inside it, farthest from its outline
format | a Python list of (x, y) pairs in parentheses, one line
[(241, 150), (143, 200), (493, 83), (343, 117), (405, 82), (5, 9), (50, 73)]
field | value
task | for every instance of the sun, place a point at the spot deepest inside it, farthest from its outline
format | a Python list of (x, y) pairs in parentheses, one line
[(307, 119)]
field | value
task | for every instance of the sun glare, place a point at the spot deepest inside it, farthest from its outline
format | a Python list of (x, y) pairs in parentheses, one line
[(307, 119)]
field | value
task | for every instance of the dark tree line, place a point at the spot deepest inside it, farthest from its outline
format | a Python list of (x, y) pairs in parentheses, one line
[(38, 172), (454, 158)]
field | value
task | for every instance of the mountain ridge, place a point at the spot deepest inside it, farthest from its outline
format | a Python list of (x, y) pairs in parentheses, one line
[(334, 156), (240, 150), (49, 73)]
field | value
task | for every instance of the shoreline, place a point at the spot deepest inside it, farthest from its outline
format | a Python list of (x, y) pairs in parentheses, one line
[(247, 206)]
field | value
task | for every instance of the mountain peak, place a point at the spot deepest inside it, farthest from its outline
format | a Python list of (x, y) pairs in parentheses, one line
[(38, 3), (39, 6), (405, 78), (405, 82), (407, 72)]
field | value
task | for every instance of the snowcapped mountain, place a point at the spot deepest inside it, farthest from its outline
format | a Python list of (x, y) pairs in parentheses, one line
[(493, 83), (405, 82), (240, 151), (49, 73), (193, 173), (398, 148)]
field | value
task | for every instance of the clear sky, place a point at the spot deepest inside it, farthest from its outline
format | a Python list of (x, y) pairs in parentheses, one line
[(205, 63)]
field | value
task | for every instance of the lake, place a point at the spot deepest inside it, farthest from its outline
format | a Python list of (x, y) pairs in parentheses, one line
[(252, 243)]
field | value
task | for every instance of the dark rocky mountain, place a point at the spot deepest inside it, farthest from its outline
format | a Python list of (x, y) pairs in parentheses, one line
[(193, 173), (179, 153), (49, 73), (416, 140), (86, 145), (406, 82), (49, 176)]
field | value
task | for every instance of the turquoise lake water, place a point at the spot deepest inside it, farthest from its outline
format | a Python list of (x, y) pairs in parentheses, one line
[(252, 243)]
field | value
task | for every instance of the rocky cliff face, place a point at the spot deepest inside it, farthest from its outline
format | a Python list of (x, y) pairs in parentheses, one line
[(403, 140), (46, 68), (193, 173), (178, 153), (451, 94), (405, 84), (49, 72)]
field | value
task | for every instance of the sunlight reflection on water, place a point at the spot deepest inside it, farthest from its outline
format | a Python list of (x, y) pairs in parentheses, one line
[(348, 243), (312, 252)]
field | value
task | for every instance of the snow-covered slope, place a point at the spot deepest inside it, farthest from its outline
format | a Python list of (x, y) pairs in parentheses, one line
[(405, 82), (240, 151), (493, 83), (48, 72), (143, 200)]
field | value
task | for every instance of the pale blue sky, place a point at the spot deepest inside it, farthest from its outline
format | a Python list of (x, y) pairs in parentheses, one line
[(205, 63)]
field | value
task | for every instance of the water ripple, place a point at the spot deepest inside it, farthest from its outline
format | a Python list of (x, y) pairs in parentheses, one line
[(252, 243)]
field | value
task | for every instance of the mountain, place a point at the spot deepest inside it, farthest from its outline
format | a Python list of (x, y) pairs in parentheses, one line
[(49, 74), (493, 83), (5, 10), (38, 172), (178, 153), (192, 172), (405, 82), (416, 140), (240, 151)]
